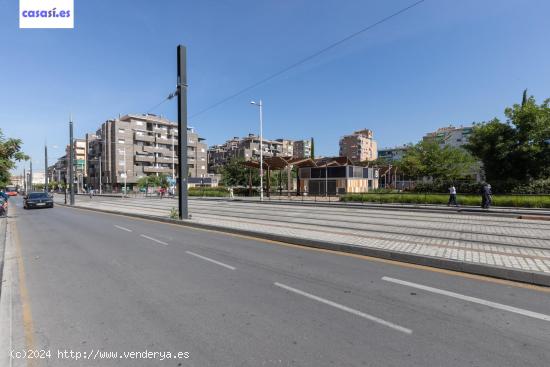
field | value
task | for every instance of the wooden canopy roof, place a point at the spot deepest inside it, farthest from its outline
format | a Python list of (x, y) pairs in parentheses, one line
[(277, 163)]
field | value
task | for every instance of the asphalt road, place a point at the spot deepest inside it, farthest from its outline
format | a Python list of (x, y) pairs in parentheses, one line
[(111, 283)]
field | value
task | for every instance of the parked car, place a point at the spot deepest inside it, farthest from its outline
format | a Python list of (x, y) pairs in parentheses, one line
[(38, 200)]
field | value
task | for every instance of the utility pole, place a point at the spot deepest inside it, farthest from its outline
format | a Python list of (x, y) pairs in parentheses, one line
[(30, 176), (45, 168), (100, 173), (71, 161), (182, 132), (260, 106), (125, 170), (25, 180)]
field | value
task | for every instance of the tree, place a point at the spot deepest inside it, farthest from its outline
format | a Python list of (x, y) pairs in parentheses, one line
[(518, 149), (312, 156), (10, 153), (235, 173), (428, 159)]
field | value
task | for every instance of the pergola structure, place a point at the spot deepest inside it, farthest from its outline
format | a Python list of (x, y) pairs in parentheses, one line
[(287, 163)]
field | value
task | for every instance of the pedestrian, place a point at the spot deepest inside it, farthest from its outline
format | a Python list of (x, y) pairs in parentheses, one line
[(231, 192), (486, 196), (452, 196)]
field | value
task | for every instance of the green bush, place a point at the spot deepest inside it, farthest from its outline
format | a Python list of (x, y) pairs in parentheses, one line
[(523, 201), (208, 191)]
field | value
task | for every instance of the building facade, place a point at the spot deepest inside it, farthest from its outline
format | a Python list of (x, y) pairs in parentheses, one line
[(335, 176), (393, 154), (450, 136), (133, 146), (301, 149), (359, 146), (247, 148)]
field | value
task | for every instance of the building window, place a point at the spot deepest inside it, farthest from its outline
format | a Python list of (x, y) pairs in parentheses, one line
[(139, 123), (121, 131), (121, 141)]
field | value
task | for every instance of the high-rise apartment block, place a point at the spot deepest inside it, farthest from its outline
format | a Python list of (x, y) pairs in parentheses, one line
[(359, 146), (301, 149), (248, 148), (134, 146), (450, 136)]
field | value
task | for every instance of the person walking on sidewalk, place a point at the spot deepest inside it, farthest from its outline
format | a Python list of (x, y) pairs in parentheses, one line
[(452, 196), (486, 196)]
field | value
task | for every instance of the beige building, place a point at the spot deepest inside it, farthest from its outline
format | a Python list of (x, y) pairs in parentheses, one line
[(140, 145), (450, 136), (359, 146), (301, 149)]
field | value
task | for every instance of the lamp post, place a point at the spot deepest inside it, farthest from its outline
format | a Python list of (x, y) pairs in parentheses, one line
[(71, 162), (260, 106), (124, 155)]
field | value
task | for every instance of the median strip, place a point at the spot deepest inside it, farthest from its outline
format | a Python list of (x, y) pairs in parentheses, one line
[(154, 239), (480, 301), (211, 260), (347, 309)]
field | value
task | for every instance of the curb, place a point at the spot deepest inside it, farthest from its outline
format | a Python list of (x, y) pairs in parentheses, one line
[(536, 278), (517, 214), (3, 234)]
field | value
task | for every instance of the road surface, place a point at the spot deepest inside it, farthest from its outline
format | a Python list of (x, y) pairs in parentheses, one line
[(86, 282)]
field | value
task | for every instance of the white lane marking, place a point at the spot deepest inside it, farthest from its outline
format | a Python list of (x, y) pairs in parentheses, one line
[(480, 301), (124, 229), (347, 309), (154, 239), (211, 260)]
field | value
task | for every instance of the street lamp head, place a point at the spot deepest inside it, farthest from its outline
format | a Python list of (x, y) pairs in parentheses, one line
[(252, 102)]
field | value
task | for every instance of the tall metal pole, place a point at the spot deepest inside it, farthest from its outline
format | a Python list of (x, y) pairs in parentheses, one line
[(46, 168), (30, 176), (100, 183), (182, 132), (71, 162), (261, 151), (125, 170), (25, 180)]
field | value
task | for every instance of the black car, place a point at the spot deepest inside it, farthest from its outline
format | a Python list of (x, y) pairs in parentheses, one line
[(38, 200)]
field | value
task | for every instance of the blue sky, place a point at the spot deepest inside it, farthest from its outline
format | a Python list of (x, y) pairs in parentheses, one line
[(442, 62)]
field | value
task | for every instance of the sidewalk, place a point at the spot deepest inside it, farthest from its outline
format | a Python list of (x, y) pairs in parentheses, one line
[(513, 212), (502, 247)]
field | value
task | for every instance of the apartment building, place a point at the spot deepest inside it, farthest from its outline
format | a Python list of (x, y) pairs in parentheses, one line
[(393, 154), (359, 146), (301, 149), (450, 136), (134, 146), (247, 148)]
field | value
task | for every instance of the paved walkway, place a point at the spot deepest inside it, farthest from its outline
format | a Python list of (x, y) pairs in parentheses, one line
[(472, 238)]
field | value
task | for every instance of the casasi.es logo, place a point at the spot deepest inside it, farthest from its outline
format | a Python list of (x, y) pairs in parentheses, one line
[(46, 13)]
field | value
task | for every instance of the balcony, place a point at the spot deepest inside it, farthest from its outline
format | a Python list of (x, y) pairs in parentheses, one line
[(167, 141), (152, 169), (146, 138), (151, 149), (144, 158)]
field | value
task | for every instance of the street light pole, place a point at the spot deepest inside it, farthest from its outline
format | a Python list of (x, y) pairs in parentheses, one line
[(182, 132), (260, 105), (30, 176), (125, 170), (71, 161), (100, 183), (45, 168)]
